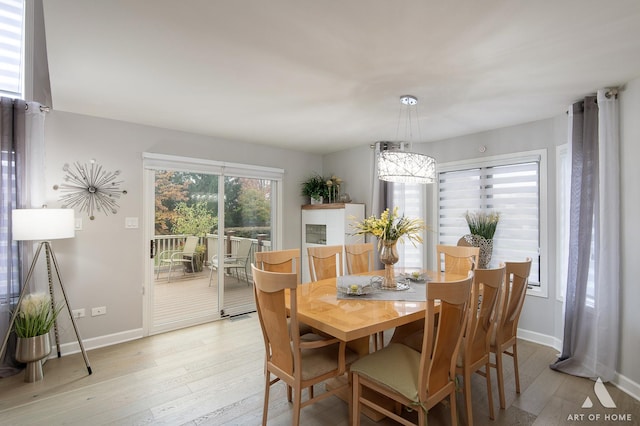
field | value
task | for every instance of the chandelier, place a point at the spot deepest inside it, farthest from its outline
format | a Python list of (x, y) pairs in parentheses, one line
[(397, 165)]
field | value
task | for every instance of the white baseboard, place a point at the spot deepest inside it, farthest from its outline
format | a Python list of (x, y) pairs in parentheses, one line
[(623, 383), (542, 339), (98, 342), (627, 385)]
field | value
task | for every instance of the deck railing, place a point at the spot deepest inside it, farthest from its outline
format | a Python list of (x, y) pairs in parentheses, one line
[(210, 242)]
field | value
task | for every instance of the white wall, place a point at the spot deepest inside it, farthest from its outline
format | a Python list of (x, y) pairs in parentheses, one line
[(542, 318), (104, 264), (629, 364)]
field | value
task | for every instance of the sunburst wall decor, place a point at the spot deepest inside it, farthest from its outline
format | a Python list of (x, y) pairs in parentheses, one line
[(90, 188)]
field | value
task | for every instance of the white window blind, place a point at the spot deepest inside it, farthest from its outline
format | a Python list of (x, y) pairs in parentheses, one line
[(11, 47), (409, 198), (513, 190)]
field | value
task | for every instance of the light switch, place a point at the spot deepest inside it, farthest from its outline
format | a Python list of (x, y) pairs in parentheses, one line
[(78, 224), (131, 222)]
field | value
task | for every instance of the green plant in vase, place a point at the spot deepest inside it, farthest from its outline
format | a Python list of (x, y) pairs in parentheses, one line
[(315, 187), (482, 228), (390, 228), (35, 317)]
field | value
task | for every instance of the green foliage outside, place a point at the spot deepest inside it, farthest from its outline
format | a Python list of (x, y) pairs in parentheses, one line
[(187, 203), (194, 219)]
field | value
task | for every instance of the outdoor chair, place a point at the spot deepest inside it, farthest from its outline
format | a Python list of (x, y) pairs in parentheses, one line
[(179, 257), (233, 263)]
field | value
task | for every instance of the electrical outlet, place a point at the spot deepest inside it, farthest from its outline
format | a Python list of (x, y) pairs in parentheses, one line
[(100, 310), (78, 313)]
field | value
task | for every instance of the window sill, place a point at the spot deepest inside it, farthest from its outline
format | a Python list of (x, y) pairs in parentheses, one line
[(540, 291)]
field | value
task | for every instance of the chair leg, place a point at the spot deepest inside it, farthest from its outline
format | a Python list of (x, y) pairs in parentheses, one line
[(289, 394), (467, 396), (499, 370), (265, 409), (422, 417), (210, 276), (515, 366), (297, 399), (355, 400), (489, 393), (169, 276), (454, 414)]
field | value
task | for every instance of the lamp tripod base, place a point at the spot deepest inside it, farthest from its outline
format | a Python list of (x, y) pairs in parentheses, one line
[(34, 368)]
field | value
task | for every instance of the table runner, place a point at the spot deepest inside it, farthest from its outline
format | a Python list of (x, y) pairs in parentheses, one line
[(371, 284)]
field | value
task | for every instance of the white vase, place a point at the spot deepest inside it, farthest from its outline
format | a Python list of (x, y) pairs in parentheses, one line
[(318, 200)]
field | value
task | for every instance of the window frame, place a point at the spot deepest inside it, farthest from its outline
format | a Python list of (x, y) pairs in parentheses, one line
[(540, 155)]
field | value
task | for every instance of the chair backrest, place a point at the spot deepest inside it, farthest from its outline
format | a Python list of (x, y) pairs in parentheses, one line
[(457, 259), (244, 250), (190, 245), (279, 261), (359, 257), (325, 262), (439, 353), (269, 291), (514, 289), (485, 291)]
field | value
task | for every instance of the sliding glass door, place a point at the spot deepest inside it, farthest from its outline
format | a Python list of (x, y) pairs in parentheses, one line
[(208, 222)]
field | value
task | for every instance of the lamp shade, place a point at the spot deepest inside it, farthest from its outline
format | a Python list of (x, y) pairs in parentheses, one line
[(406, 167), (42, 224)]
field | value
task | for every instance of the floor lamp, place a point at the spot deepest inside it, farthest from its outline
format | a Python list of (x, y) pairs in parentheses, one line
[(44, 225)]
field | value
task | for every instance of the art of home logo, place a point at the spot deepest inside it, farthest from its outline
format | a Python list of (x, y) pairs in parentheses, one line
[(607, 402)]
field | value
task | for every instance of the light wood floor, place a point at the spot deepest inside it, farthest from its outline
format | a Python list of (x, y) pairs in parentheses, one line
[(212, 374)]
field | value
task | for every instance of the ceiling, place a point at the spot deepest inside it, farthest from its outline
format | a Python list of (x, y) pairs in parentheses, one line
[(322, 76)]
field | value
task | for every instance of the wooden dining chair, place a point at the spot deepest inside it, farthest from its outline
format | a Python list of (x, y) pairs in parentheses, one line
[(325, 262), (359, 257), (298, 361), (474, 351), (418, 380), (504, 335), (279, 261), (457, 259), (282, 261)]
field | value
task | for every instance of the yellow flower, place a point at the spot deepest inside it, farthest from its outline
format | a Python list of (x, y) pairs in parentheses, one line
[(391, 227)]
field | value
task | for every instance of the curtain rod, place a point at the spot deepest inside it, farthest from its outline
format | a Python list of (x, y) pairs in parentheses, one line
[(43, 108)]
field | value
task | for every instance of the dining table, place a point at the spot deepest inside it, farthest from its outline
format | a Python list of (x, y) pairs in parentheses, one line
[(353, 319)]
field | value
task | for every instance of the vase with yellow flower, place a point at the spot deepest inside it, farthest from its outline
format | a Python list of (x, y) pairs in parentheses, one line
[(390, 228)]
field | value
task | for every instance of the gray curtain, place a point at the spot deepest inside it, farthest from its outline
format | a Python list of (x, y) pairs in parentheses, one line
[(591, 332), (13, 148), (382, 194)]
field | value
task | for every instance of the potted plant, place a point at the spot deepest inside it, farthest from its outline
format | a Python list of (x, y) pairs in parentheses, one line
[(482, 227), (315, 188), (35, 318), (390, 228)]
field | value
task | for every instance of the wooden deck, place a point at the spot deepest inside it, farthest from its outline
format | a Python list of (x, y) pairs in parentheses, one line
[(190, 296)]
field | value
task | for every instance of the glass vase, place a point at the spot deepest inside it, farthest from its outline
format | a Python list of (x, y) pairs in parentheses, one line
[(389, 257)]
